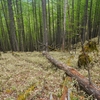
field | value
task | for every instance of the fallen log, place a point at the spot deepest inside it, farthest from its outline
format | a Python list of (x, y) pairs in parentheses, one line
[(83, 82)]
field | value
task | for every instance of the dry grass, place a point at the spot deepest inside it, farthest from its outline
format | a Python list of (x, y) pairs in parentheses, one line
[(30, 71)]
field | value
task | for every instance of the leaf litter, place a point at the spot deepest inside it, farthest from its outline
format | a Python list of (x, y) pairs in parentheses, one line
[(30, 76)]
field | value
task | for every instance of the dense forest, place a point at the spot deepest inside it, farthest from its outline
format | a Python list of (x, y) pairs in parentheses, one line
[(28, 25), (49, 49)]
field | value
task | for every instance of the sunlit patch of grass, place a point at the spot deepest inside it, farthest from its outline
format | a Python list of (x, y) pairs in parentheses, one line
[(26, 93), (8, 91)]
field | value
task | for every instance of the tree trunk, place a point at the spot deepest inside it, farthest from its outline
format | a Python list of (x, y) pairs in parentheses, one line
[(45, 36), (83, 82), (53, 27), (64, 23), (29, 30), (99, 35), (69, 32), (5, 12), (2, 36), (19, 20), (13, 39), (78, 16), (40, 25), (49, 24), (84, 21), (96, 19), (90, 19), (58, 31)]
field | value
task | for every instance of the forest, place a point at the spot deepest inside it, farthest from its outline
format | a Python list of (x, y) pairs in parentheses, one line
[(32, 32), (25, 24)]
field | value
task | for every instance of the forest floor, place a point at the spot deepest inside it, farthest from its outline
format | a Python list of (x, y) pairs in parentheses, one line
[(30, 76)]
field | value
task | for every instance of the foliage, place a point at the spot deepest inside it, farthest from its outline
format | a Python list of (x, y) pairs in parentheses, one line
[(28, 22)]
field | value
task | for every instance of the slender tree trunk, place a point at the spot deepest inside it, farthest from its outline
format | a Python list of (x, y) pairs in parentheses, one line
[(69, 33), (99, 35), (20, 24), (71, 25), (84, 21), (58, 33), (33, 21), (5, 15), (37, 26), (64, 24), (40, 23), (96, 19), (13, 39), (29, 29), (45, 36), (53, 28), (22, 27), (78, 15), (99, 23), (49, 24), (90, 20), (2, 35)]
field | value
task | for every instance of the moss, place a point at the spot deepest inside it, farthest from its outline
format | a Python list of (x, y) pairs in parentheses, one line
[(83, 60), (90, 47), (26, 93)]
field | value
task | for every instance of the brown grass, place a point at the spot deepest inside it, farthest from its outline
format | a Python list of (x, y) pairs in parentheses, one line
[(19, 70)]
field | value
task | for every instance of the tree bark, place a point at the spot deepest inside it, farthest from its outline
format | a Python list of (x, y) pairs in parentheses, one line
[(20, 25), (84, 21), (53, 24), (64, 23), (83, 82), (90, 19), (58, 31), (45, 35), (12, 35)]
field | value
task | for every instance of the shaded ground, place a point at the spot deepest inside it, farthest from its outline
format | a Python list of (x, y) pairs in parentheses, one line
[(21, 72)]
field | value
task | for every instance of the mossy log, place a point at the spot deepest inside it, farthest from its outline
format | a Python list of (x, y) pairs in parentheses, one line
[(83, 82)]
